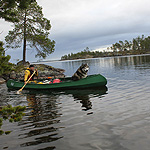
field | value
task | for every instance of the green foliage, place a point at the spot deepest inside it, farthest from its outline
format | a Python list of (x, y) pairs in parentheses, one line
[(5, 66), (13, 114), (19, 68), (86, 53), (1, 132), (8, 8), (33, 28), (139, 45)]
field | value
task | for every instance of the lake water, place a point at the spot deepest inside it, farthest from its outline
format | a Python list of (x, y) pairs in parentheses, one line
[(92, 119)]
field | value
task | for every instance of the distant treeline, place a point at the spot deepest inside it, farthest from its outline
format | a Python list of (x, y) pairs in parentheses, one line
[(139, 45)]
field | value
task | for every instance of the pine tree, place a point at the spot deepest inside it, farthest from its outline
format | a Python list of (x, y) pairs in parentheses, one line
[(5, 66), (32, 30), (8, 8)]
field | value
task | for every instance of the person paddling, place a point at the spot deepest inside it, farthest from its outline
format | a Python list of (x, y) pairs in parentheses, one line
[(28, 72)]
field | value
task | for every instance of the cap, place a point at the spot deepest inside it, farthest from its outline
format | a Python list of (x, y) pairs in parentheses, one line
[(31, 66)]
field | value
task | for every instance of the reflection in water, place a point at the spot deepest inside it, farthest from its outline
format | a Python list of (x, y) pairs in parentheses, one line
[(130, 61), (85, 100), (84, 96), (59, 119), (43, 113), (35, 106), (104, 65), (3, 95)]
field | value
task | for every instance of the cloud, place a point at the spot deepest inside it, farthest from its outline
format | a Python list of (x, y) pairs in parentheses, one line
[(94, 23), (4, 28), (78, 21)]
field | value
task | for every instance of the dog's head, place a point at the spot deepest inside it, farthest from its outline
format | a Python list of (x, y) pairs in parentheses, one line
[(84, 68)]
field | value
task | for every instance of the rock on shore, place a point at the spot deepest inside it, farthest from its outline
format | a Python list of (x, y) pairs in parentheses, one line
[(44, 71), (2, 80)]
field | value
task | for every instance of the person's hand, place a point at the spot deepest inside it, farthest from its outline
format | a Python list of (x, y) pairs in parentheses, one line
[(36, 70)]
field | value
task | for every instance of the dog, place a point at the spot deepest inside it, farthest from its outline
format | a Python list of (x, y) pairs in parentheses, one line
[(81, 72)]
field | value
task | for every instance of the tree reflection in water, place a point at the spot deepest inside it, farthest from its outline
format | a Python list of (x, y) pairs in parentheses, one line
[(35, 106), (42, 114), (40, 125)]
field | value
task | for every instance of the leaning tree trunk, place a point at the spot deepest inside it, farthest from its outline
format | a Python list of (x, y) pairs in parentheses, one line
[(24, 40)]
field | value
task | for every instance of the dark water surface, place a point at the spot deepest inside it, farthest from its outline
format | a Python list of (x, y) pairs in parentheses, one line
[(92, 119)]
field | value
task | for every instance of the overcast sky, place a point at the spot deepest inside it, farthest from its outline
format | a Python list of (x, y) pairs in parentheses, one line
[(78, 24)]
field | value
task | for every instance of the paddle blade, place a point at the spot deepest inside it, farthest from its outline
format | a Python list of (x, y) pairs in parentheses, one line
[(19, 91)]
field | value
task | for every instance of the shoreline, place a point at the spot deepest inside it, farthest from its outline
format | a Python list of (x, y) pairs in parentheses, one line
[(49, 61), (47, 70), (44, 71), (105, 57)]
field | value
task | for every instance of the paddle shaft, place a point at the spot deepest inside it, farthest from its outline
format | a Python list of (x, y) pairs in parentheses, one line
[(27, 81)]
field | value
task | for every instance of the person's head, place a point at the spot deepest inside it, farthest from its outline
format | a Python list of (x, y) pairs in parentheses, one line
[(31, 67)]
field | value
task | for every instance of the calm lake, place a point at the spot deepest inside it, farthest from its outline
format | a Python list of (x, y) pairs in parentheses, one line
[(112, 118)]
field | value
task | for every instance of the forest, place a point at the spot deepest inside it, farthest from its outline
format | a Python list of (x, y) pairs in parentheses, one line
[(139, 45)]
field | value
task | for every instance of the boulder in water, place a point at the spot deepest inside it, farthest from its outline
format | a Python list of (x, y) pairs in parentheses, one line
[(2, 80)]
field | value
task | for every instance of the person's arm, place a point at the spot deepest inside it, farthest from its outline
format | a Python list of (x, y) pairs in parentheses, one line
[(27, 73), (36, 73)]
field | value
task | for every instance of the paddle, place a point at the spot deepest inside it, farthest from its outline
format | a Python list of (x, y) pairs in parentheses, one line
[(26, 82)]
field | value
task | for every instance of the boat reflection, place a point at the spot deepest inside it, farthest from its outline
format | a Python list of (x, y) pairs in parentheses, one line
[(43, 116), (82, 95), (84, 100), (85, 95)]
